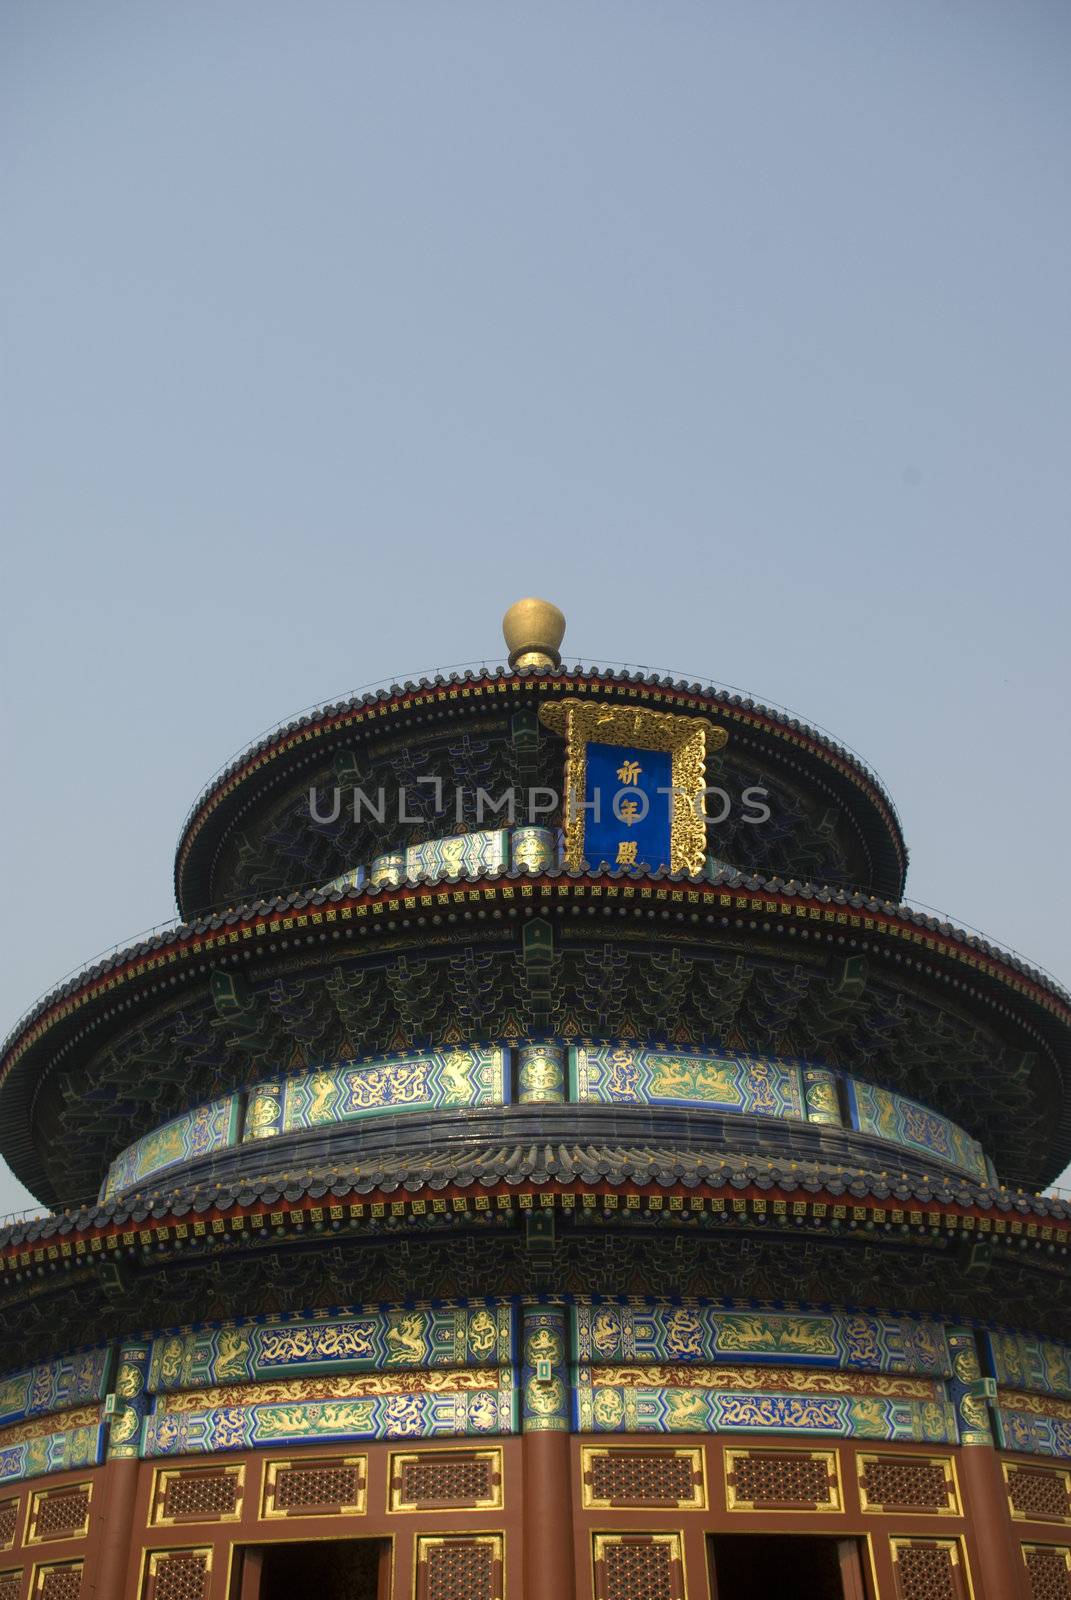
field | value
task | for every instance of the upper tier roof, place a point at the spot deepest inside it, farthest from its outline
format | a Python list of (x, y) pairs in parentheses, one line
[(967, 1028), (829, 777)]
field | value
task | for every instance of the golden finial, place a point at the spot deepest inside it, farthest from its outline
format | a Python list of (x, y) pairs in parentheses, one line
[(534, 629)]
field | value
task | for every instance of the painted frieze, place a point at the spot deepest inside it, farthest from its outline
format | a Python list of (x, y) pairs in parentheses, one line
[(619, 1073), (695, 1333), (967, 1388), (905, 1122), (196, 1133), (131, 1402), (404, 1405), (539, 1074), (60, 1443), (1023, 1362), (454, 857), (671, 1399), (1038, 1425), (545, 1373), (250, 1352), (55, 1385), (534, 849), (462, 1075)]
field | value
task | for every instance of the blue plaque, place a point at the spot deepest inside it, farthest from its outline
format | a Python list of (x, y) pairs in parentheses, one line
[(629, 806)]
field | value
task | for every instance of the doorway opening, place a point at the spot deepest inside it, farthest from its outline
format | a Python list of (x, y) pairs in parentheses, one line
[(754, 1566), (328, 1569)]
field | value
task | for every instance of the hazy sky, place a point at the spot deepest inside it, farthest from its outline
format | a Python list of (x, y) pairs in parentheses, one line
[(739, 330)]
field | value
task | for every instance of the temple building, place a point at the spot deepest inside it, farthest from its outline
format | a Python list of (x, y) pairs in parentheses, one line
[(547, 1160)]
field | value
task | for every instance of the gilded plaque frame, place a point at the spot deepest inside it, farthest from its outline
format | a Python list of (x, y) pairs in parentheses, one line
[(688, 741)]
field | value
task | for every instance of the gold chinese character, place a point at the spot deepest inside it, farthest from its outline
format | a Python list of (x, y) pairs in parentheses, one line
[(629, 771), (626, 853), (629, 811)]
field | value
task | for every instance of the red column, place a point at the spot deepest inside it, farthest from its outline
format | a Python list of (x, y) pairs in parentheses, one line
[(113, 1552), (548, 1518), (1003, 1575)]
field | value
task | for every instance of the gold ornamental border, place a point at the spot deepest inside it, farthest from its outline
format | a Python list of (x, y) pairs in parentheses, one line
[(399, 1458), (687, 739), (276, 1465), (593, 1502), (163, 1477), (953, 1506), (830, 1459)]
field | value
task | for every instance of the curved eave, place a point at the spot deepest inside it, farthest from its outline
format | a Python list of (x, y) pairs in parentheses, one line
[(107, 997), (630, 1186), (306, 741)]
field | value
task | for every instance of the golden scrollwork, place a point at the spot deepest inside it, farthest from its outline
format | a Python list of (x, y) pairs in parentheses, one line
[(807, 1380), (688, 740)]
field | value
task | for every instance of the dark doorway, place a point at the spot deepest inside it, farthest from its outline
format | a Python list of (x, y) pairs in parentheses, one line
[(755, 1566), (335, 1569)]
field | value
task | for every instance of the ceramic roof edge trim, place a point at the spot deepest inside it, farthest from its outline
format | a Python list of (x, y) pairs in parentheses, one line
[(469, 686)]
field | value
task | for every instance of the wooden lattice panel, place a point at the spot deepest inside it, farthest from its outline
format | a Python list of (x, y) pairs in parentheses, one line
[(315, 1486), (57, 1580), (459, 1567), (11, 1583), (445, 1480), (1038, 1494), (920, 1484), (177, 1575), (197, 1494), (59, 1513), (782, 1480), (9, 1521), (929, 1569), (638, 1566), (626, 1476), (1049, 1570)]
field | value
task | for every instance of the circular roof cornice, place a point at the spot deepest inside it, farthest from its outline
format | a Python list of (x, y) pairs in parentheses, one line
[(159, 967), (292, 743)]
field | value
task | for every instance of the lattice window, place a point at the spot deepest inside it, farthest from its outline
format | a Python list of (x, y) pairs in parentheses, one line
[(928, 1569), (782, 1480), (638, 1567), (59, 1514), (57, 1581), (178, 1575), (445, 1479), (321, 1486), (190, 1494), (11, 1583), (459, 1567), (1039, 1494), (1049, 1569), (907, 1483), (643, 1477), (9, 1518)]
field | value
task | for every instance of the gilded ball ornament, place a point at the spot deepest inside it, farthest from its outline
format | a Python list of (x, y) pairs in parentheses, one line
[(534, 630)]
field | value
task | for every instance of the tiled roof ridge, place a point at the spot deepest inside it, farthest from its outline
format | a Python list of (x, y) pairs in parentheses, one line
[(522, 1168), (302, 900), (335, 711)]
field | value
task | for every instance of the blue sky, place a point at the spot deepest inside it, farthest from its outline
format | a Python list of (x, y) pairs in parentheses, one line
[(739, 330)]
